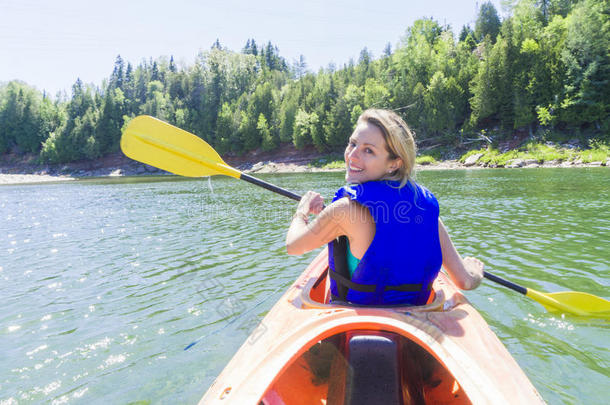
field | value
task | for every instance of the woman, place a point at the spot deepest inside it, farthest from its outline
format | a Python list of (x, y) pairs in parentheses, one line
[(386, 240)]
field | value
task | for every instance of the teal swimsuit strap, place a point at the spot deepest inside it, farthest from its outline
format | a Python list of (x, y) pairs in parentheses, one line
[(352, 261)]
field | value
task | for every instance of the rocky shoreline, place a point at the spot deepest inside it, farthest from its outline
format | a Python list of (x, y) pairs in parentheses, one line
[(12, 172)]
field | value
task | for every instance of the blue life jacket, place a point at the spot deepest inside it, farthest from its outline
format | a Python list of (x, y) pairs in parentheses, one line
[(405, 255)]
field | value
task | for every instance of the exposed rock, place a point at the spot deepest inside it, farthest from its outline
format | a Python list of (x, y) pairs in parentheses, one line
[(531, 165), (472, 159), (269, 167), (257, 166), (514, 163), (528, 162), (595, 164)]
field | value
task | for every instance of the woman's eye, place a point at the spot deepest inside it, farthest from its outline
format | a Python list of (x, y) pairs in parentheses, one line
[(368, 150)]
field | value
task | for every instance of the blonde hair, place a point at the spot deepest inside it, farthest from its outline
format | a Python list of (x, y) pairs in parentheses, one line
[(399, 140)]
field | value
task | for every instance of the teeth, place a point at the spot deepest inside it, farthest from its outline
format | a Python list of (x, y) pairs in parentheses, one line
[(355, 169)]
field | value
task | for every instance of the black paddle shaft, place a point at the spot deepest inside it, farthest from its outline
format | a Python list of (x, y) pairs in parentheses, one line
[(270, 187), (505, 283)]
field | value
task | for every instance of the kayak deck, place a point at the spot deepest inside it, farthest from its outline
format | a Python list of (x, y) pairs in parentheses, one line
[(308, 351)]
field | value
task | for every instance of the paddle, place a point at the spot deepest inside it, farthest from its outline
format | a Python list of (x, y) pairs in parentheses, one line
[(571, 302), (159, 144)]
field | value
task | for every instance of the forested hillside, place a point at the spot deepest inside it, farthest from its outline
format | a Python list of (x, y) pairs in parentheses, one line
[(544, 70)]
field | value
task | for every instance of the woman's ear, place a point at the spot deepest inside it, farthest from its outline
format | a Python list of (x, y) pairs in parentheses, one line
[(395, 164)]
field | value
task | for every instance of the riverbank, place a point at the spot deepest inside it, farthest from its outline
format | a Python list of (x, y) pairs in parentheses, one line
[(14, 170)]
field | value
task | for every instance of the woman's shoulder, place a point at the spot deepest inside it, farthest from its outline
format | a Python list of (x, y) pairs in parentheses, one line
[(344, 210), (344, 204), (373, 192), (424, 192)]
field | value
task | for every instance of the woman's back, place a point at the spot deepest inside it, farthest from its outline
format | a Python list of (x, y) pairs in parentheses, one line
[(404, 255)]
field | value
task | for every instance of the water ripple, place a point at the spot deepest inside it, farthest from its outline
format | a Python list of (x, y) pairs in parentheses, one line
[(111, 279)]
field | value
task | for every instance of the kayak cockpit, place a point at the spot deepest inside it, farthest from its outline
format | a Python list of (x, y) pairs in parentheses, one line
[(316, 294), (365, 367), (361, 365)]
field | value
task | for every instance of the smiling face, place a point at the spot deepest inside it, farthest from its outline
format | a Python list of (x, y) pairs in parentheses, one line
[(367, 157)]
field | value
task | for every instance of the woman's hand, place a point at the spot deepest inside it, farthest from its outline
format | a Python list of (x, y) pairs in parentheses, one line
[(474, 267), (311, 203), (303, 236)]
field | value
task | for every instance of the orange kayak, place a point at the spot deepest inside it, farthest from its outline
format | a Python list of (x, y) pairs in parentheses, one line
[(308, 351)]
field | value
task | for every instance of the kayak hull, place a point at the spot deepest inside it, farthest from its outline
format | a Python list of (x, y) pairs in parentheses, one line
[(308, 351)]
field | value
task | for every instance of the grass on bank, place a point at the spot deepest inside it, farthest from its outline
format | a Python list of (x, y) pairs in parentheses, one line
[(425, 160), (333, 161), (541, 152)]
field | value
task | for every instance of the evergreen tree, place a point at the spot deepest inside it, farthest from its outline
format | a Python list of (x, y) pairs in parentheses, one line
[(172, 65), (227, 127), (108, 131), (465, 32), (117, 77), (488, 22), (268, 140), (364, 69), (442, 101), (248, 132), (587, 60), (300, 67), (288, 111), (155, 75), (338, 126), (21, 124)]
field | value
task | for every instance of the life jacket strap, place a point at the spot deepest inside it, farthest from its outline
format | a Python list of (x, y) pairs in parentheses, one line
[(370, 288), (339, 248), (339, 279)]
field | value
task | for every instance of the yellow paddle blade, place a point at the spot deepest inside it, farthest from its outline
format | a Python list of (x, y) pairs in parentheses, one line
[(573, 302), (159, 144)]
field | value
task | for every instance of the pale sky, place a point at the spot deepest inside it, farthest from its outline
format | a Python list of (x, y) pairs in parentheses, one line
[(49, 44)]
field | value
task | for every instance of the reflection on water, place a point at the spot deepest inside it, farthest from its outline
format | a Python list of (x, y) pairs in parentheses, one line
[(105, 281)]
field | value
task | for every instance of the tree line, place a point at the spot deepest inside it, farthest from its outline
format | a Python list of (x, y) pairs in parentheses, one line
[(546, 67)]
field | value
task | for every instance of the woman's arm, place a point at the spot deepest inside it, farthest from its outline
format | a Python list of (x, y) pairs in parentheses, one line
[(304, 236), (466, 273)]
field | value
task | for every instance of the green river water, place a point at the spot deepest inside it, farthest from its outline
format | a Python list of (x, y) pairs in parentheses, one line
[(105, 281)]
